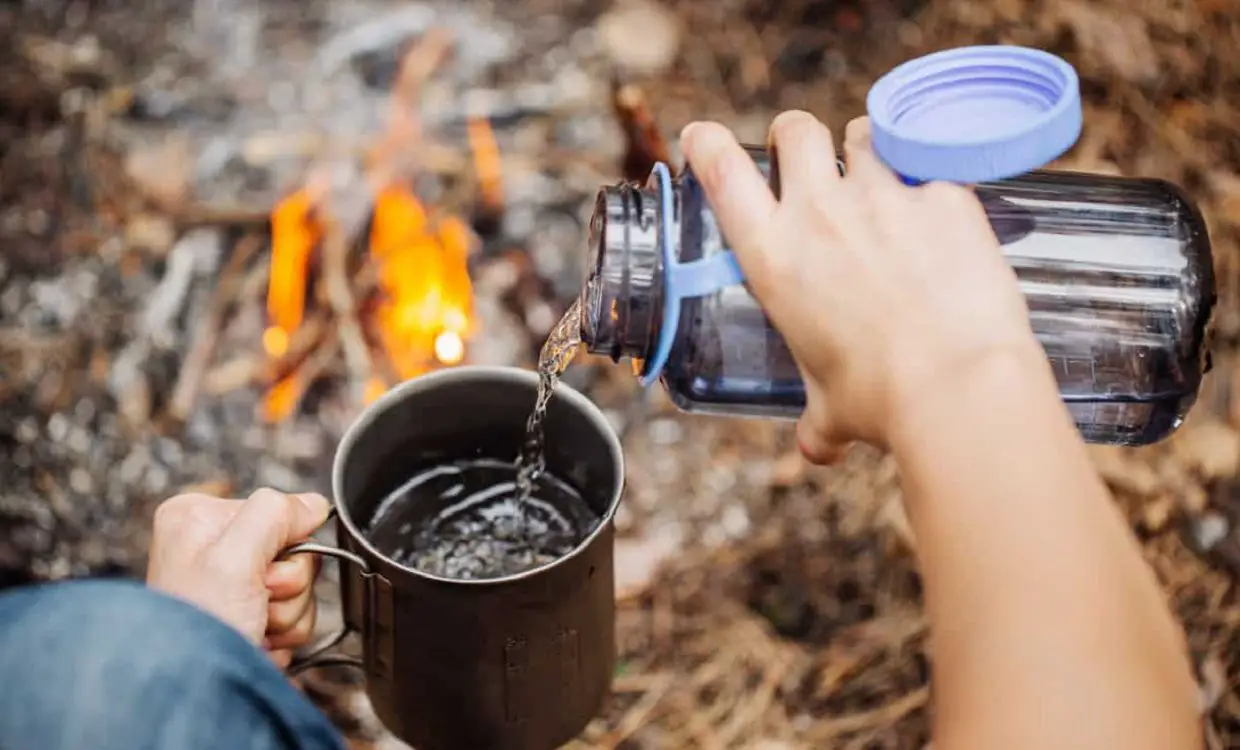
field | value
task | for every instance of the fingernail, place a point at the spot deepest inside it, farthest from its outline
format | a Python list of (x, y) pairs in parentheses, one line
[(314, 501), (266, 493), (707, 141)]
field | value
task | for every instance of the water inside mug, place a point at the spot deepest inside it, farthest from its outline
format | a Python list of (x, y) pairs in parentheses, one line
[(461, 519)]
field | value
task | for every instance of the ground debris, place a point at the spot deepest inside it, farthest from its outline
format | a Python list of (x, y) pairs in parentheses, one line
[(1112, 40)]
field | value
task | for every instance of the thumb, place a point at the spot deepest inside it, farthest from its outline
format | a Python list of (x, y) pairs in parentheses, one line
[(735, 188), (271, 520)]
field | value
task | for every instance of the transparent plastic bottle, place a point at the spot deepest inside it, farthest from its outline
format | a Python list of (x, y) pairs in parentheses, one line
[(1117, 273)]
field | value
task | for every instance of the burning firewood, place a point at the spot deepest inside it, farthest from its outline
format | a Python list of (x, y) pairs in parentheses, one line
[(418, 313), (489, 206), (645, 145)]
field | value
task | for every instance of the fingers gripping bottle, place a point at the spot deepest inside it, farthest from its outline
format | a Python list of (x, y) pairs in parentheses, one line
[(1117, 272)]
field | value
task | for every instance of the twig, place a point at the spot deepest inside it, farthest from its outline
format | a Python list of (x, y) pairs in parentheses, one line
[(308, 336), (335, 251), (194, 367), (638, 713), (694, 725), (760, 701), (231, 375), (1163, 127), (23, 341), (187, 259), (726, 661), (258, 370), (883, 716), (316, 364), (225, 216)]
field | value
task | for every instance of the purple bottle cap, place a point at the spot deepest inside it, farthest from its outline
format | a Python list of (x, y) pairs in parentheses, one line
[(975, 114)]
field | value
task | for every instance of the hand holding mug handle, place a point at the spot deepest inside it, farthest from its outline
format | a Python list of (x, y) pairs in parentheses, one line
[(318, 656)]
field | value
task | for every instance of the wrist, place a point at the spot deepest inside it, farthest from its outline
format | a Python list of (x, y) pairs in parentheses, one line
[(931, 397)]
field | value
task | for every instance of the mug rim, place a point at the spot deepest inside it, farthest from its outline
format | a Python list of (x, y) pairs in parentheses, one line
[(430, 381)]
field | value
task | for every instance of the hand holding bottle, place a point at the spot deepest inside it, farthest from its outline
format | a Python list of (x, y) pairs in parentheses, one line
[(883, 291), (911, 332)]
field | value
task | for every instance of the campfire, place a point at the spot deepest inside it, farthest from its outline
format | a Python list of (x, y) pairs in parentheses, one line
[(403, 305), (367, 276), (417, 315)]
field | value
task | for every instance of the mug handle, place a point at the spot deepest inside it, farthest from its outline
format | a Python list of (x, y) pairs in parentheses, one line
[(318, 657)]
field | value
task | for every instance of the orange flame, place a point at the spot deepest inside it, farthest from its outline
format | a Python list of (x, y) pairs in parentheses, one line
[(424, 316), (294, 234)]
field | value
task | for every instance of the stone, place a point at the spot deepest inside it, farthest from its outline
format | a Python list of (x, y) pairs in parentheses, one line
[(148, 233), (1208, 530), (163, 170), (640, 36)]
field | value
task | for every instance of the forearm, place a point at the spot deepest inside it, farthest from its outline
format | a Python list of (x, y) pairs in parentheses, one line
[(1048, 630)]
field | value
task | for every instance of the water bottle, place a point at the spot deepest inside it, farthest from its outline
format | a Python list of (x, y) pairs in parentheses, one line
[(1117, 273)]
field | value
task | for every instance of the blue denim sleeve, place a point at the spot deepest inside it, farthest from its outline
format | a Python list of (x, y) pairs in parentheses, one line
[(113, 665)]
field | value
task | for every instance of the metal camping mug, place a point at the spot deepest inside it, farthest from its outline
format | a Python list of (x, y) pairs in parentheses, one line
[(516, 663)]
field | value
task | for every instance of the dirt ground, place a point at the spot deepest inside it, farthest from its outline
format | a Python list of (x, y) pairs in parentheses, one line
[(766, 604)]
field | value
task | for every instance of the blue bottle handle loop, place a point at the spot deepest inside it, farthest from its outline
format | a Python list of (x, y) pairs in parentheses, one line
[(681, 281)]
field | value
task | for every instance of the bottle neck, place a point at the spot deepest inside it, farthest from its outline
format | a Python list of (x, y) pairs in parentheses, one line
[(622, 298)]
